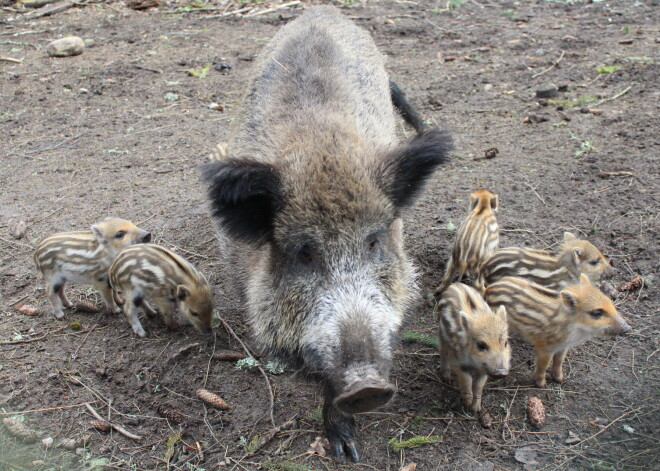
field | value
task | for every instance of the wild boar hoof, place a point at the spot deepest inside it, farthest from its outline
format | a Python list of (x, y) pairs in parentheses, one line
[(344, 449)]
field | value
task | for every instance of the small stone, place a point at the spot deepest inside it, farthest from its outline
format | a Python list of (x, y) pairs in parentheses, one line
[(488, 87), (223, 68), (450, 58), (549, 90), (572, 438), (48, 441), (71, 46), (169, 96)]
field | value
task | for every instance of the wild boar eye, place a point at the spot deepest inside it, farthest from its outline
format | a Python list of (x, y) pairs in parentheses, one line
[(305, 255), (594, 262), (120, 235), (373, 244), (597, 314), (482, 346), (194, 314)]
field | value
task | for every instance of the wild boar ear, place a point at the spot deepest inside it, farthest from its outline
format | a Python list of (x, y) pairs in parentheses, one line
[(577, 256), (569, 301), (245, 197), (494, 203), (474, 201), (569, 236), (501, 312), (100, 237), (465, 322), (182, 292), (584, 279), (406, 169)]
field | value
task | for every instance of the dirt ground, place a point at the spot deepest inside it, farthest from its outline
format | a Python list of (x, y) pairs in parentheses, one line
[(121, 130)]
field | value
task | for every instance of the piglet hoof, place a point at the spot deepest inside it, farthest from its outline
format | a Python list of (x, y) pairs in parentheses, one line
[(59, 315), (139, 331), (540, 383)]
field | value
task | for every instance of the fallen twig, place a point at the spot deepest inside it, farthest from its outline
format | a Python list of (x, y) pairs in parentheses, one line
[(53, 147), (616, 174), (50, 10), (551, 67), (118, 428), (267, 437), (148, 69), (615, 96), (606, 427), (11, 59), (35, 339), (261, 370), (46, 409), (229, 13), (270, 10)]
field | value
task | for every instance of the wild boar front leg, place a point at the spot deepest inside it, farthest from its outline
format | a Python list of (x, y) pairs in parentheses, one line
[(339, 429), (557, 371), (53, 288), (107, 294), (543, 358), (133, 301), (478, 384), (445, 363), (465, 383)]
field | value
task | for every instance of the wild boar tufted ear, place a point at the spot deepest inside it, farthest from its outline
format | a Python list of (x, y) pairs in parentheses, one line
[(407, 168), (569, 301), (245, 196), (98, 233), (568, 236), (501, 312)]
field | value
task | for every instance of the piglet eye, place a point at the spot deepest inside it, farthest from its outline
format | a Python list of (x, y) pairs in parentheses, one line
[(594, 262), (482, 346), (597, 314), (120, 235)]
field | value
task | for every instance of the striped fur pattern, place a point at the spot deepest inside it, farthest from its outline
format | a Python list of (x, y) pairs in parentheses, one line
[(476, 239), (151, 272), (474, 341), (554, 321), (556, 272), (84, 257)]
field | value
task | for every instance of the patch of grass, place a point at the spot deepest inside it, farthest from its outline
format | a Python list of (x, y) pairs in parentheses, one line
[(247, 363), (642, 59), (316, 415), (454, 4), (579, 101), (586, 147), (201, 73), (414, 442), (253, 445), (428, 340), (608, 69)]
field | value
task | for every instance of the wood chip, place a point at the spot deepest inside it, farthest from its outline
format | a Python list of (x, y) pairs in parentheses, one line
[(536, 412), (212, 399)]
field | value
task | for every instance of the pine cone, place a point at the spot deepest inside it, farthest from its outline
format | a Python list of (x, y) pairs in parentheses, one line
[(170, 413), (27, 309), (73, 443), (212, 399), (101, 425), (632, 285), (536, 412), (228, 355), (86, 306), (19, 430)]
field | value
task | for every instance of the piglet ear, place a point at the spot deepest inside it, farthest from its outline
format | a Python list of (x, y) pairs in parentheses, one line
[(98, 233), (406, 169), (245, 196)]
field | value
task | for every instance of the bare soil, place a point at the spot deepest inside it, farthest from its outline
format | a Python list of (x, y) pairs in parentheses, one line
[(121, 130)]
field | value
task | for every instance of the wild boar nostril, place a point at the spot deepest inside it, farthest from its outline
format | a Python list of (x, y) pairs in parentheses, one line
[(365, 397), (145, 237)]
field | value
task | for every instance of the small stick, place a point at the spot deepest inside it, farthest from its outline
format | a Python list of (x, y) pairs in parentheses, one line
[(148, 69), (47, 409), (230, 13), (16, 302), (11, 59), (270, 10), (184, 250), (551, 67), (47, 216), (35, 339), (15, 243), (614, 97), (267, 437), (75, 354), (606, 427), (200, 452), (534, 190), (632, 366), (119, 429), (261, 370), (616, 174), (56, 146)]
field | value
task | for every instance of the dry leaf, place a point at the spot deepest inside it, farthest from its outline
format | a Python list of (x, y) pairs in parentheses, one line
[(19, 230), (212, 399), (409, 467), (319, 446)]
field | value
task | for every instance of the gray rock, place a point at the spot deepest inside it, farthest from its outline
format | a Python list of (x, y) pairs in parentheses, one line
[(65, 47), (548, 90)]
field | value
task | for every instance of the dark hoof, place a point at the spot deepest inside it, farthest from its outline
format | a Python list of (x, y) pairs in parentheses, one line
[(343, 451)]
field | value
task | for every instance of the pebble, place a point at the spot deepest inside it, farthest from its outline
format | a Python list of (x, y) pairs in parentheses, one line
[(548, 90), (65, 47), (572, 438)]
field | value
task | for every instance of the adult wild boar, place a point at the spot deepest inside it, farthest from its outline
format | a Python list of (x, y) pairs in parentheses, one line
[(309, 204)]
